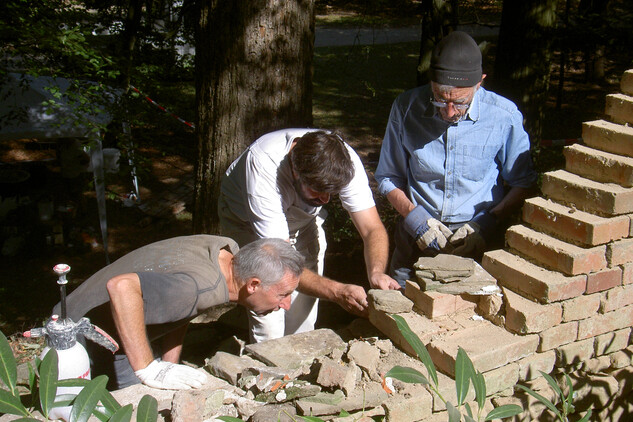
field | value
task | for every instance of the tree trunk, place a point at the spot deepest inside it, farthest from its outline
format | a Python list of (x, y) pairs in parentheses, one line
[(524, 54), (253, 75), (439, 18)]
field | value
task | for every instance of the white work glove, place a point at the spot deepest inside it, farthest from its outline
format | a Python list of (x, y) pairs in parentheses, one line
[(468, 240), (170, 376), (428, 232)]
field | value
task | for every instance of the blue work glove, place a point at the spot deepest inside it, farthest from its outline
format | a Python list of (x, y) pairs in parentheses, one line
[(427, 231), (470, 239)]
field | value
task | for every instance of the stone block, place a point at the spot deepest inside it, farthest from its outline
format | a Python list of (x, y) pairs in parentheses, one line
[(530, 367), (611, 342), (487, 345), (389, 301), (619, 108), (333, 374), (501, 378), (620, 252), (572, 225), (601, 324), (557, 336), (597, 365), (593, 391), (622, 358), (574, 353), (609, 137), (446, 387), (530, 280), (525, 317), (627, 274), (586, 195), (556, 254), (581, 307), (419, 324), (598, 165), (616, 298), (412, 403), (604, 280)]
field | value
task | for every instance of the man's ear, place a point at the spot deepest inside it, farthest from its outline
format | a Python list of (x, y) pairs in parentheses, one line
[(252, 285)]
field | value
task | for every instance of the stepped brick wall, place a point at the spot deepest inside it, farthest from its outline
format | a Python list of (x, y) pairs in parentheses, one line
[(566, 277)]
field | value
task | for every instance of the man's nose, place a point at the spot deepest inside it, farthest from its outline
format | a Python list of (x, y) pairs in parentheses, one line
[(324, 198), (285, 303)]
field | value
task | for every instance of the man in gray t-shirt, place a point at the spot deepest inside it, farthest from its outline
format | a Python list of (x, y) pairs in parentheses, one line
[(153, 292)]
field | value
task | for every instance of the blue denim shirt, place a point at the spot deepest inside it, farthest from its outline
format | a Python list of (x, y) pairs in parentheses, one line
[(454, 170)]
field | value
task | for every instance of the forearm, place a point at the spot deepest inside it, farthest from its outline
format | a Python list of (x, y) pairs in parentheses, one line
[(399, 200), (511, 201), (126, 302), (312, 284), (376, 252)]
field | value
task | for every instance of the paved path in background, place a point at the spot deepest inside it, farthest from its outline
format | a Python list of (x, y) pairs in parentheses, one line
[(336, 37)]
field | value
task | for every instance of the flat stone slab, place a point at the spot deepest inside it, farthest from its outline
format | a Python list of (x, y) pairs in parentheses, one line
[(296, 350), (479, 282)]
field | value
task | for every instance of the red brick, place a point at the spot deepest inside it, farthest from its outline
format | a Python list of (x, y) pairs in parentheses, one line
[(617, 298), (434, 304), (627, 273), (574, 353), (573, 225), (530, 366), (611, 342), (620, 108), (557, 336), (530, 280), (487, 345), (581, 307), (524, 316), (600, 324), (556, 254), (419, 324), (607, 136), (604, 280), (598, 165), (605, 199), (620, 252)]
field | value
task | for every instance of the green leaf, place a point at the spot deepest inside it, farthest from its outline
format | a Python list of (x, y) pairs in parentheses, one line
[(229, 419), (542, 399), (463, 372), (101, 413), (124, 414), (64, 400), (310, 418), (87, 399), (417, 345), (73, 382), (479, 384), (408, 375), (109, 402), (552, 383), (469, 411), (570, 393), (344, 413), (8, 367), (147, 409), (505, 411), (453, 414), (586, 417), (468, 418), (11, 404), (48, 381)]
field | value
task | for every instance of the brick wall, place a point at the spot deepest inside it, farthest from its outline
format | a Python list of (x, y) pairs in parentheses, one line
[(566, 276)]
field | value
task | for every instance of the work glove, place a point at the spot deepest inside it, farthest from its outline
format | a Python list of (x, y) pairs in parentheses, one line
[(170, 376), (428, 232), (470, 239)]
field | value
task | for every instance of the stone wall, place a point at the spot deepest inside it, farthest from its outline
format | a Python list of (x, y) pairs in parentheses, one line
[(566, 277)]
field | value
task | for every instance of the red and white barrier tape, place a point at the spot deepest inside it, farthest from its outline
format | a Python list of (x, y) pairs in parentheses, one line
[(160, 107)]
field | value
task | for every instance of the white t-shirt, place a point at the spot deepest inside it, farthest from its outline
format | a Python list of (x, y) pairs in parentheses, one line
[(258, 187)]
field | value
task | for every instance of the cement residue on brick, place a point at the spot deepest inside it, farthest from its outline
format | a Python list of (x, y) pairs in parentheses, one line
[(609, 137)]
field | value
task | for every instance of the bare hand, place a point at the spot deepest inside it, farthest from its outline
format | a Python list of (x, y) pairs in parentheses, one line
[(353, 299), (383, 282)]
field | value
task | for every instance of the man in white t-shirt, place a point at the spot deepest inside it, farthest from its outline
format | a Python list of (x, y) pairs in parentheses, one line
[(276, 189)]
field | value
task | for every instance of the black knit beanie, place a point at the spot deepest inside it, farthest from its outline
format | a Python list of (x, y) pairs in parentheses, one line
[(456, 61)]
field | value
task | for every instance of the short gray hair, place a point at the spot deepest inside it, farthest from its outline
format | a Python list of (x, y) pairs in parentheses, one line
[(267, 260)]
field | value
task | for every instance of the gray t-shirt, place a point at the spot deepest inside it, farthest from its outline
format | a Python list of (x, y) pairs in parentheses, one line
[(189, 267)]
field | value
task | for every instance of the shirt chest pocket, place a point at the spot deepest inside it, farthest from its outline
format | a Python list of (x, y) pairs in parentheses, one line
[(477, 161)]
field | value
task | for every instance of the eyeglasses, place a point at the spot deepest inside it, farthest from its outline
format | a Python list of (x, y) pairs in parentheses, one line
[(442, 104)]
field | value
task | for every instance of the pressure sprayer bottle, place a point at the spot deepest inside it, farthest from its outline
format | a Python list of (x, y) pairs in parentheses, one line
[(61, 335)]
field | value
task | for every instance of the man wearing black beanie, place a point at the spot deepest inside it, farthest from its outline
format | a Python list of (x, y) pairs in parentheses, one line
[(455, 160)]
